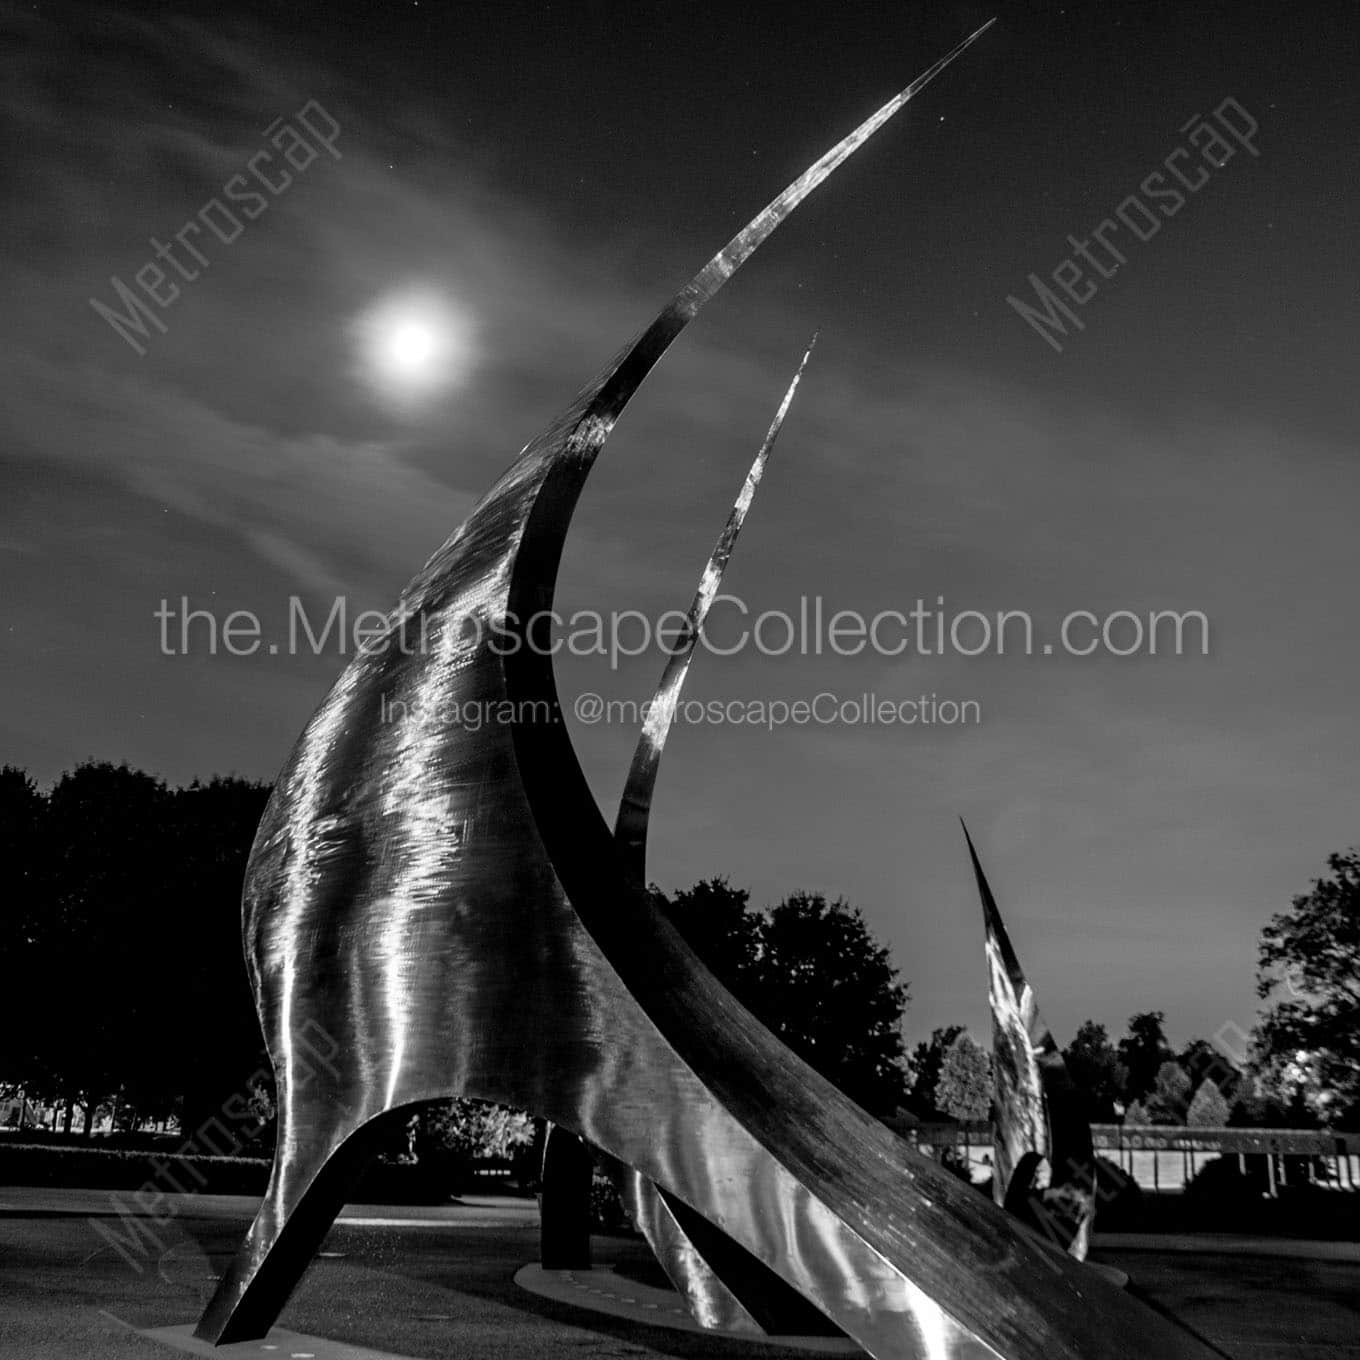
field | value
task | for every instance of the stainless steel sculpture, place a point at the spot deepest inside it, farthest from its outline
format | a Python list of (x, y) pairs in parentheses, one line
[(565, 1207), (635, 806), (726, 1288), (1040, 1129), (437, 905)]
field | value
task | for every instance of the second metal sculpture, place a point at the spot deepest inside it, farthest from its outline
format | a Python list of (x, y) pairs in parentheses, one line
[(1043, 1160)]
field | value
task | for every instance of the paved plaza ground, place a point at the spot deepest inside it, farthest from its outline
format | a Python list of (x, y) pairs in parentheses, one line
[(440, 1283)]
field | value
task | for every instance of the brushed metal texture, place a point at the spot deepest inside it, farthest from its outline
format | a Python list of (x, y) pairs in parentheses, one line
[(726, 1288), (1039, 1123)]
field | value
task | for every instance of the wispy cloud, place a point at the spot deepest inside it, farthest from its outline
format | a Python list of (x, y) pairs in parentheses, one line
[(1177, 802)]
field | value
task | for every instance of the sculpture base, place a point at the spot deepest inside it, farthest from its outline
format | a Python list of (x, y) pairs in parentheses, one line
[(280, 1343), (599, 1291), (1118, 1278), (602, 1291)]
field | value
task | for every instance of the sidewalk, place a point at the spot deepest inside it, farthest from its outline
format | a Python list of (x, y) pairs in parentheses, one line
[(507, 1211), (1225, 1244), (473, 1211)]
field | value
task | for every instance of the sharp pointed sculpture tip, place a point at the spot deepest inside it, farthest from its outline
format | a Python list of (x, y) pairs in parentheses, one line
[(949, 56), (968, 837), (807, 354)]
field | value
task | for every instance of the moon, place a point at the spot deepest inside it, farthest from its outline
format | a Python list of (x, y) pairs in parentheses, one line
[(413, 346)]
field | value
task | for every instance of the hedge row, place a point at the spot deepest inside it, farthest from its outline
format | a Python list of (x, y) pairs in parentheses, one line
[(134, 1169)]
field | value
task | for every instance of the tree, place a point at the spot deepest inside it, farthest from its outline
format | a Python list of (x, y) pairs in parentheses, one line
[(1256, 1107), (965, 1087), (21, 811), (1137, 1114), (127, 942), (474, 1128), (1208, 1109), (812, 972), (208, 1043), (1170, 1096), (927, 1061), (1096, 1070), (1203, 1061), (829, 990), (449, 1137), (716, 922), (1310, 1040), (103, 850), (1143, 1051)]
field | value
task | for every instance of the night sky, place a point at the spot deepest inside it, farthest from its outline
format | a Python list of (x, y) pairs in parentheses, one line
[(545, 175)]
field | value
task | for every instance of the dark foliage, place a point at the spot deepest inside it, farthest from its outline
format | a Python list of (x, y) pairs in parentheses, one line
[(1096, 1070), (812, 972), (927, 1061), (1142, 1053), (1310, 961), (124, 944)]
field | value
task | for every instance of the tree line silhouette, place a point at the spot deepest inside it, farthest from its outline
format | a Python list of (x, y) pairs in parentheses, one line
[(127, 992)]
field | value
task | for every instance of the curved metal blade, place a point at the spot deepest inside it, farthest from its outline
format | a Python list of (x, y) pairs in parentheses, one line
[(635, 806), (1037, 1110), (733, 1293)]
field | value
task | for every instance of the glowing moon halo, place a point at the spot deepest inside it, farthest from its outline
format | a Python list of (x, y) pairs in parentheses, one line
[(413, 346)]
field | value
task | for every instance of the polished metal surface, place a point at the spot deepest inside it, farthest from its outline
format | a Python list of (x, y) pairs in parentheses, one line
[(435, 907), (731, 1292), (714, 1302), (1040, 1131), (711, 1303), (635, 806)]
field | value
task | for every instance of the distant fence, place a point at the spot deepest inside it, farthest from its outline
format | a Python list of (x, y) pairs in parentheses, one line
[(1161, 1157), (1167, 1157)]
